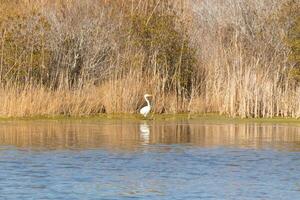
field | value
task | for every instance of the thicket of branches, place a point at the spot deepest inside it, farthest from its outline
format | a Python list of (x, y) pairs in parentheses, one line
[(235, 57)]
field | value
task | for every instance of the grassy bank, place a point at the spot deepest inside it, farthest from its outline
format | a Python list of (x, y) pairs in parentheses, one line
[(198, 118), (83, 58)]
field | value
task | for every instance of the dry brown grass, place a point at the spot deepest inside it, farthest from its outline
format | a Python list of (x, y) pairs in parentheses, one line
[(40, 101), (88, 57)]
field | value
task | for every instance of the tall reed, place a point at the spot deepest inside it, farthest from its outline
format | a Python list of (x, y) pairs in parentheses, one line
[(89, 57)]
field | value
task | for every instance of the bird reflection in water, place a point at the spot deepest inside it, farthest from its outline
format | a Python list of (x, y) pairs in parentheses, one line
[(145, 133)]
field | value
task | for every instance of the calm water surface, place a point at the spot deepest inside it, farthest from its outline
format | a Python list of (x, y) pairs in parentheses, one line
[(148, 160)]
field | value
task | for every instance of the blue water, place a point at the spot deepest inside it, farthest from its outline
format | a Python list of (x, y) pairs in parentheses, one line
[(150, 171)]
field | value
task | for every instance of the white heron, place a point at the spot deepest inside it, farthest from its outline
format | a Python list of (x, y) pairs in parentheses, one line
[(145, 110)]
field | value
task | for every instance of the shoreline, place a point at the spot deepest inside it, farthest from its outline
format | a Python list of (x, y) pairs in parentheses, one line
[(207, 117)]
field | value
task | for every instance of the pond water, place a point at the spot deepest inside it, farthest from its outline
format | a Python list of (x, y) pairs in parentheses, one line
[(123, 159)]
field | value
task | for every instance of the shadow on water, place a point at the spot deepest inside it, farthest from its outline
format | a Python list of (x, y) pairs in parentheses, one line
[(125, 135)]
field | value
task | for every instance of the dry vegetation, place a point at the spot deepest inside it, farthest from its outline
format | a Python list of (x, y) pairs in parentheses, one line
[(75, 57)]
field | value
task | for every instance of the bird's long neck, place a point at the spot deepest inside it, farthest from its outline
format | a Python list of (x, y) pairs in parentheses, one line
[(148, 103)]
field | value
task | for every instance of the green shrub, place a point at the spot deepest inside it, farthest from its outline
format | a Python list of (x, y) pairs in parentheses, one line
[(288, 17), (162, 36), (294, 42), (22, 35)]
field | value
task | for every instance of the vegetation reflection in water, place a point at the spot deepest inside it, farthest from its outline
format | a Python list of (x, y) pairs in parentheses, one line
[(148, 159), (131, 135)]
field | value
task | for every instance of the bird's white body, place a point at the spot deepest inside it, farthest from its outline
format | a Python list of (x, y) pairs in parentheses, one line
[(145, 110)]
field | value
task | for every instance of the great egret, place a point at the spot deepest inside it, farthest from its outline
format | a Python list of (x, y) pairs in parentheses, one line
[(145, 110)]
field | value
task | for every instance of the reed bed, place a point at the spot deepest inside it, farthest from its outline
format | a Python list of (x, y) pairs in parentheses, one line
[(80, 58)]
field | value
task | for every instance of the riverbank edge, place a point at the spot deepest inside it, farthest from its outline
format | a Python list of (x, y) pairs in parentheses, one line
[(208, 117)]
